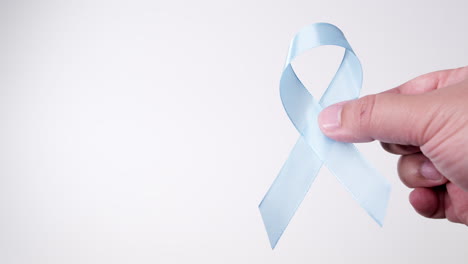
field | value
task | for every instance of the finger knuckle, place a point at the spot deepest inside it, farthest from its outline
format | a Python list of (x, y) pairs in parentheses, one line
[(365, 111)]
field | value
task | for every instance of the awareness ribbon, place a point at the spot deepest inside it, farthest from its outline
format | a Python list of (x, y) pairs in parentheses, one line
[(369, 188)]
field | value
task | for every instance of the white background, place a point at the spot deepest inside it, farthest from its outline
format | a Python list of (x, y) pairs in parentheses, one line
[(148, 132)]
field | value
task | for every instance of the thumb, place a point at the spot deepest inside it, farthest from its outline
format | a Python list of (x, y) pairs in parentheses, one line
[(388, 117)]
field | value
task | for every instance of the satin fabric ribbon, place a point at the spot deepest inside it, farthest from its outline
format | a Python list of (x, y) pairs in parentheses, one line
[(313, 148)]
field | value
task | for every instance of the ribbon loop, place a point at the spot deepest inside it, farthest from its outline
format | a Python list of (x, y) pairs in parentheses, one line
[(313, 148)]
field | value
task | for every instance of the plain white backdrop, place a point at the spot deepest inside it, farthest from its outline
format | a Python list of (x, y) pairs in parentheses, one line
[(149, 131)]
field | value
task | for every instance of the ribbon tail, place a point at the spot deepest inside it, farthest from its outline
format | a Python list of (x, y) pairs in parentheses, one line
[(368, 187), (289, 189)]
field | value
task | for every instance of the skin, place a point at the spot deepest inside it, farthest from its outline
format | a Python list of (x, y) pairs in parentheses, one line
[(425, 121)]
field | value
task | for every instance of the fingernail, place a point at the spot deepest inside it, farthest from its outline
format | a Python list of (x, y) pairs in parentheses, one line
[(429, 172), (330, 117)]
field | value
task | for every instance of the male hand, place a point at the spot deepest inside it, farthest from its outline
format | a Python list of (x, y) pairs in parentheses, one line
[(426, 122)]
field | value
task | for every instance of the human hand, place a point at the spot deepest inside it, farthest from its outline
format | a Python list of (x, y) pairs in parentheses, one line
[(426, 122)]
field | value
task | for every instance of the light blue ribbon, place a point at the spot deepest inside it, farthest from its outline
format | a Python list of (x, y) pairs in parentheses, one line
[(367, 186)]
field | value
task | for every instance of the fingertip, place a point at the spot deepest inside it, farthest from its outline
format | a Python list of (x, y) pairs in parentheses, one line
[(400, 149), (416, 170), (338, 125), (330, 119), (426, 202)]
